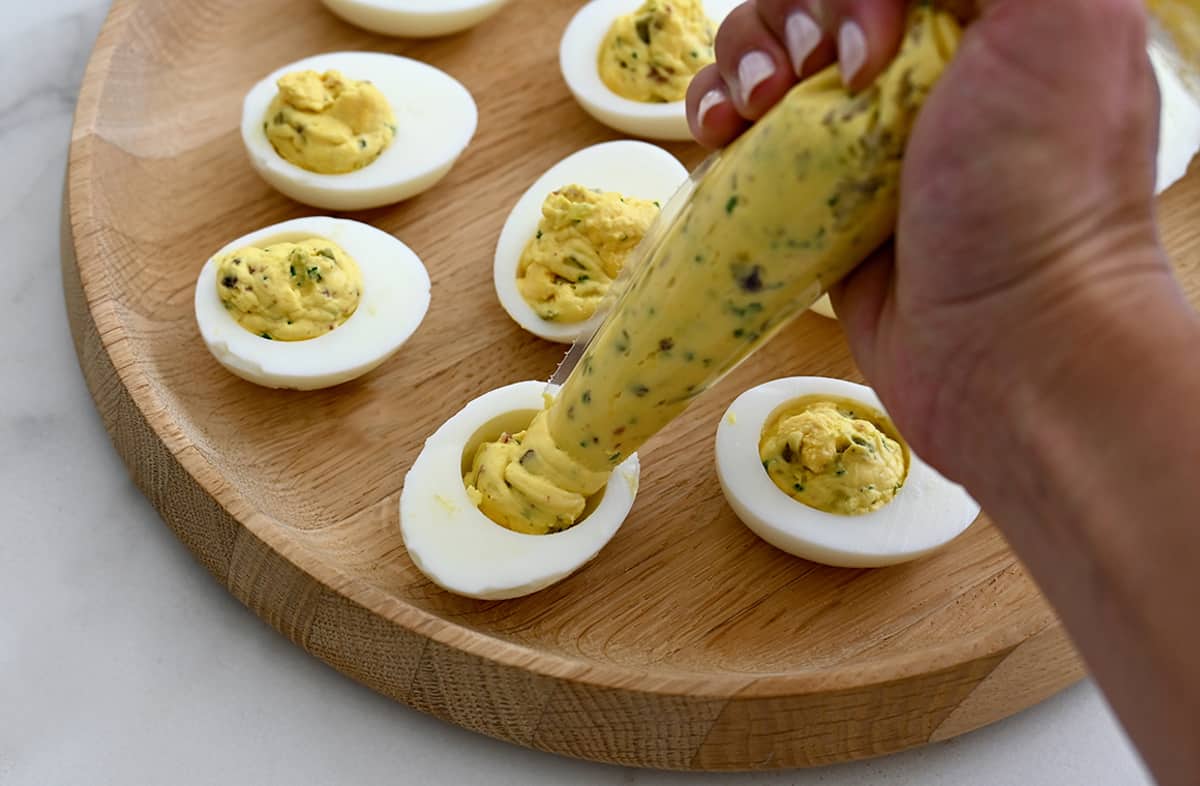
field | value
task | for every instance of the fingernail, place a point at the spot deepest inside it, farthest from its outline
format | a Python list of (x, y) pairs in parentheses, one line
[(852, 49), (753, 69), (802, 36), (712, 98)]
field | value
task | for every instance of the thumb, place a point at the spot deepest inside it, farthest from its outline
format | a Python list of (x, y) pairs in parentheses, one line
[(864, 304)]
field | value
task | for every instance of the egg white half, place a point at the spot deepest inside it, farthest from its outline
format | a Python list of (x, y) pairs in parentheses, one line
[(579, 57), (926, 514), (414, 18), (463, 551), (824, 307), (635, 169), (393, 303), (1179, 125), (436, 118)]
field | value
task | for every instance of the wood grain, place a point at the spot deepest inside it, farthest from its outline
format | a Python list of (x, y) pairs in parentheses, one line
[(689, 644)]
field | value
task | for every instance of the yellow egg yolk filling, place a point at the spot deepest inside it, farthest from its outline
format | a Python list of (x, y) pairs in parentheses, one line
[(526, 483), (834, 455), (652, 54), (328, 124), (582, 242), (290, 291), (791, 207)]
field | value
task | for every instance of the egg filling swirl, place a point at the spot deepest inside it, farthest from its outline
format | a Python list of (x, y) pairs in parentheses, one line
[(582, 242), (328, 124), (651, 55), (833, 455), (290, 291), (526, 483)]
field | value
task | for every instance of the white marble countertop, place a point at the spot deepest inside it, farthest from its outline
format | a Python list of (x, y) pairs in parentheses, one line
[(123, 662)]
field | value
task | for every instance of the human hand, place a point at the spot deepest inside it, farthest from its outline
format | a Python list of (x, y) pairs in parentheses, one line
[(1026, 198)]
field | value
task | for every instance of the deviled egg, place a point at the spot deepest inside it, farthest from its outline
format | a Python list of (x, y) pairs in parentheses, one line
[(310, 303), (462, 550), (414, 18), (573, 229), (815, 468), (628, 62), (356, 130)]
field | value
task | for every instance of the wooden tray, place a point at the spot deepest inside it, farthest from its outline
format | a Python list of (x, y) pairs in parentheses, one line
[(689, 643)]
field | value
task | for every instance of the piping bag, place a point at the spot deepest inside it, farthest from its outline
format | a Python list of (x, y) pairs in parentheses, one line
[(754, 238)]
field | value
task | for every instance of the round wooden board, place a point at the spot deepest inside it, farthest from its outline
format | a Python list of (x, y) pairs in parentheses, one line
[(689, 643)]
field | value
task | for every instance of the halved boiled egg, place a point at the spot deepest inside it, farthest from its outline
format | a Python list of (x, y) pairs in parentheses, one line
[(413, 119), (580, 58), (921, 512), (637, 170), (414, 18), (310, 303), (463, 551)]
